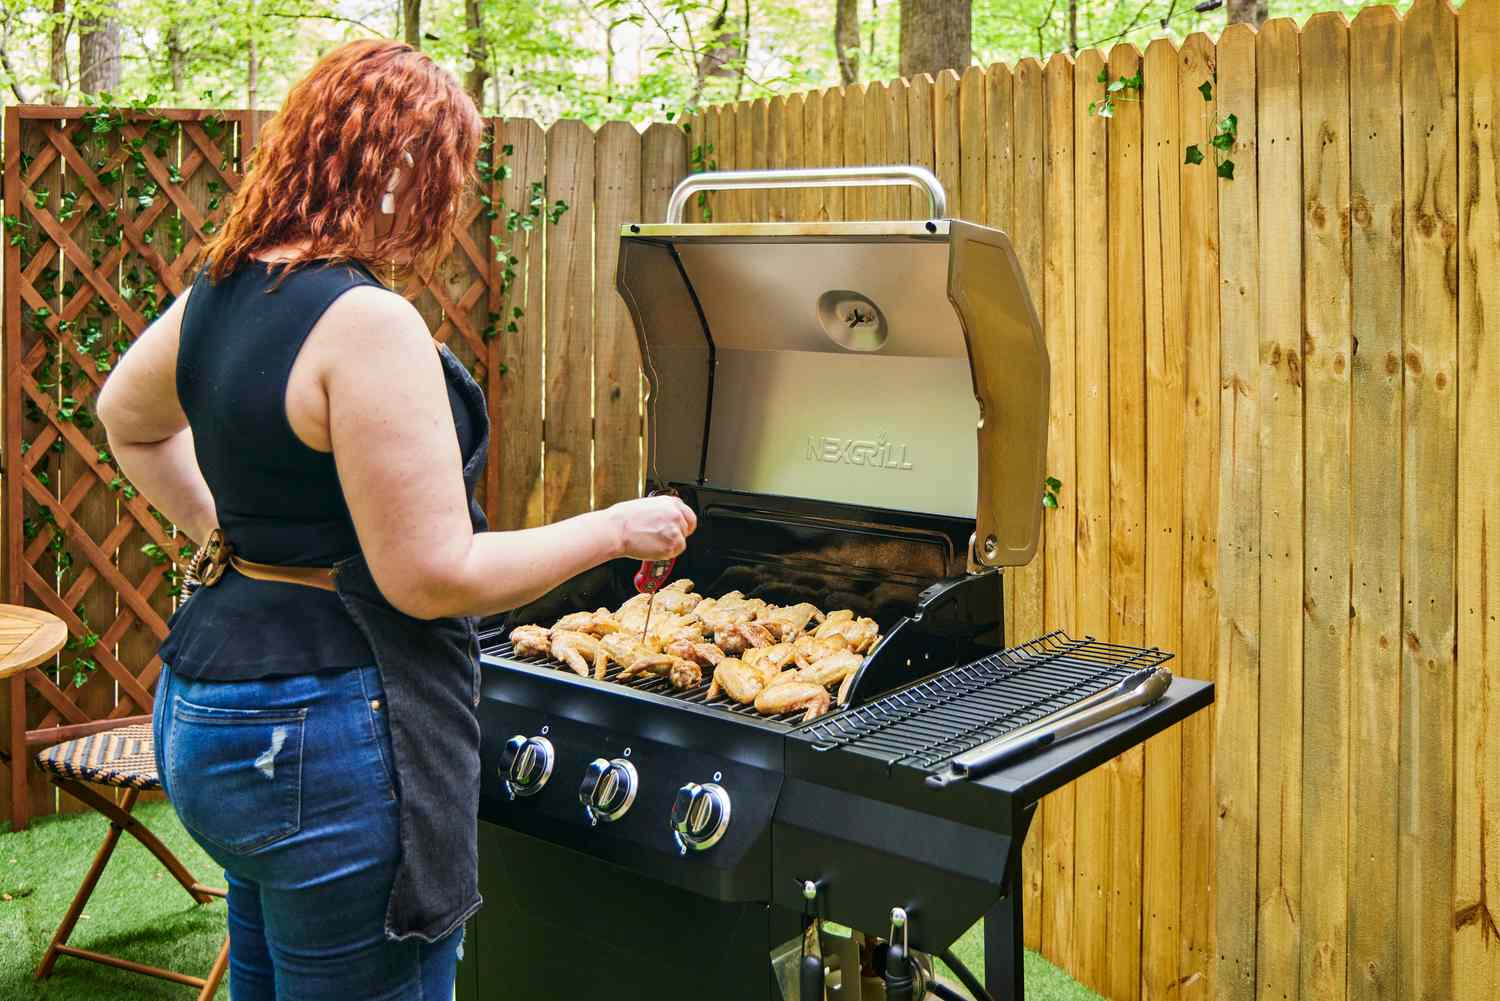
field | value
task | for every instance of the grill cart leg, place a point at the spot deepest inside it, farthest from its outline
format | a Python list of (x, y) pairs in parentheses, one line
[(1004, 957)]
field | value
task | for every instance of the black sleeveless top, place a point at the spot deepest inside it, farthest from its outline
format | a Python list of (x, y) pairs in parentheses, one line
[(278, 501)]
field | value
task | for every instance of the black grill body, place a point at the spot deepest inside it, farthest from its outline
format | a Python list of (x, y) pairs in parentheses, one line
[(842, 801), (858, 414)]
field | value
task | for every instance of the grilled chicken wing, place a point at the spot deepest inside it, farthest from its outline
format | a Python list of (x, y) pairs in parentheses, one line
[(671, 628), (680, 673), (832, 669), (736, 679), (625, 649), (809, 649), (531, 641), (860, 633), (720, 613), (741, 636), (789, 621), (596, 623), (702, 654), (578, 650), (769, 660), (791, 696), (843, 696)]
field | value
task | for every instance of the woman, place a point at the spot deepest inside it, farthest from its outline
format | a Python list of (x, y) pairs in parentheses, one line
[(314, 722)]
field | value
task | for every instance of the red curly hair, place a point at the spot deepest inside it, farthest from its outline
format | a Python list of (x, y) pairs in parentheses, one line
[(325, 160)]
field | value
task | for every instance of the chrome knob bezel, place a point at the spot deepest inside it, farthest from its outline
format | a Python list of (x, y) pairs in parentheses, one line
[(708, 796), (626, 779), (546, 758)]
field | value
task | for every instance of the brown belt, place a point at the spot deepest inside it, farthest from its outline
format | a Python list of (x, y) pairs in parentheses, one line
[(209, 563), (309, 576)]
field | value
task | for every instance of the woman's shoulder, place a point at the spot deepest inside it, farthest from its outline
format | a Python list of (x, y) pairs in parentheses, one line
[(374, 321)]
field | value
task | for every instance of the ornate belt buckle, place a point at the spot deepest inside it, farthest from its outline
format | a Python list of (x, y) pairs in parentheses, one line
[(210, 561)]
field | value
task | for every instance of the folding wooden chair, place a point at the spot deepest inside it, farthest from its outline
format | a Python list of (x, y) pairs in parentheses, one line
[(121, 758)]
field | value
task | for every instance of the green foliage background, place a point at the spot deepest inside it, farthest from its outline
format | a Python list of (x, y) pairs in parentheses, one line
[(552, 58)]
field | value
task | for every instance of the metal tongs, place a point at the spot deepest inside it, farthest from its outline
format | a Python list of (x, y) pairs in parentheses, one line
[(1140, 689)]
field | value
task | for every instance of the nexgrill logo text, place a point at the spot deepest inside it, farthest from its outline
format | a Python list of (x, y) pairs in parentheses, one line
[(882, 453)]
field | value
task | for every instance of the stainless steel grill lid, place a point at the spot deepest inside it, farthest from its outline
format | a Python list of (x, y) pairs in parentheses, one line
[(896, 365)]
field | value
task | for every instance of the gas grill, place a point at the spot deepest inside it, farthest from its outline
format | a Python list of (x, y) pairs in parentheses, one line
[(857, 412)]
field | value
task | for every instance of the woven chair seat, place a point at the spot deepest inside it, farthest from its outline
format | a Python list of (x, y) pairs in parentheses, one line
[(124, 757)]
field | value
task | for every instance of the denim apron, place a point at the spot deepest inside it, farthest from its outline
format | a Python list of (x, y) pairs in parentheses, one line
[(430, 670)]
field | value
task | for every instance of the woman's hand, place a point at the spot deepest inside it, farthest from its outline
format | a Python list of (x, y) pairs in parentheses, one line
[(653, 528)]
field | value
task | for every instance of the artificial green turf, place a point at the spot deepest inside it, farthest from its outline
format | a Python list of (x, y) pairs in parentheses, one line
[(138, 911), (1044, 982)]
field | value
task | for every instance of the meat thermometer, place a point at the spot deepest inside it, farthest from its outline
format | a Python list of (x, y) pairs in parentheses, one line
[(653, 573)]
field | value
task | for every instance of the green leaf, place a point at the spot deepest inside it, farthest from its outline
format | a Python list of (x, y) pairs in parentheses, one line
[(1049, 500), (1222, 141), (1115, 87), (1104, 75), (1091, 107), (1053, 482), (1194, 154), (1226, 170), (1207, 90)]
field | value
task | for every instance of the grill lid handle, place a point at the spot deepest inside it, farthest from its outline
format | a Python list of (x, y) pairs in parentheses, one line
[(811, 177)]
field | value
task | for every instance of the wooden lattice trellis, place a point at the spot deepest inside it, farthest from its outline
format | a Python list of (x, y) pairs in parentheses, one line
[(106, 214)]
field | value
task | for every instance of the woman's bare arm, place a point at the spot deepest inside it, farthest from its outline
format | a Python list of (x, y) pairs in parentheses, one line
[(149, 433), (397, 455)]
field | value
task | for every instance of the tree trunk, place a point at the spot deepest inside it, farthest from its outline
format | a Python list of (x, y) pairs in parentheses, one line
[(719, 52), (10, 69), (935, 36), (252, 65), (99, 55), (1248, 11), (411, 22), (478, 53), (846, 39), (1073, 27), (744, 67), (176, 58), (57, 63)]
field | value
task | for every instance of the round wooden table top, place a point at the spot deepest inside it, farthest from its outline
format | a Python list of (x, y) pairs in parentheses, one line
[(28, 636)]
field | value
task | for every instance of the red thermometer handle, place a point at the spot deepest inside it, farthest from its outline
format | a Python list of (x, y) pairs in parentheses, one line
[(652, 575)]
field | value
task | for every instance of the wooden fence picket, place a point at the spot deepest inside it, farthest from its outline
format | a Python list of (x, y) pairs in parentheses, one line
[(1327, 348), (1375, 471), (1237, 682), (516, 453), (1198, 244), (569, 297), (1474, 929), (617, 358), (1059, 611), (1166, 370)]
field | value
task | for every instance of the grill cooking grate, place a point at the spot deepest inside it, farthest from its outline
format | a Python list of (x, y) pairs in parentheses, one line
[(497, 644), (927, 724)]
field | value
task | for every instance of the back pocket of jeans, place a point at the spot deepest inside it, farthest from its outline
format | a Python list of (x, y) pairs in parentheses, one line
[(236, 774)]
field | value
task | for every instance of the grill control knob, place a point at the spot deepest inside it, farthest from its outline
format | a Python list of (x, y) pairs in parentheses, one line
[(608, 789), (526, 765), (700, 816)]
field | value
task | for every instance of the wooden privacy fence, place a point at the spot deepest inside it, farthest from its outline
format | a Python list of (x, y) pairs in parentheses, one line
[(105, 214), (1273, 412)]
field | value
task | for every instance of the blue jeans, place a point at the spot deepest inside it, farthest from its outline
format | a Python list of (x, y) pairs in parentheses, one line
[(287, 784)]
